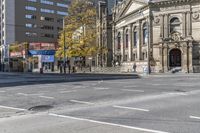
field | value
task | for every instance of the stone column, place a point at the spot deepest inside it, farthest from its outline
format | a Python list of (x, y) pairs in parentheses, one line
[(114, 39), (161, 55), (190, 47), (139, 41), (189, 26), (130, 43), (165, 57), (184, 24), (161, 26), (166, 26), (122, 45), (184, 58)]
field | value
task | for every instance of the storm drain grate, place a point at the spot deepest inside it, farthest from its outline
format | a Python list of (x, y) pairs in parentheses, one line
[(41, 108)]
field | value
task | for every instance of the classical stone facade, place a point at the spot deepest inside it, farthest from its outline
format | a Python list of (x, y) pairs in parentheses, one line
[(161, 34)]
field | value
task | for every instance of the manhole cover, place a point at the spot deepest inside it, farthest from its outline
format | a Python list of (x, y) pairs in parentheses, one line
[(180, 90), (40, 108)]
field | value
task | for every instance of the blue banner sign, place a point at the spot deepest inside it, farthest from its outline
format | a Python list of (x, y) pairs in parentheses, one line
[(47, 58), (42, 52)]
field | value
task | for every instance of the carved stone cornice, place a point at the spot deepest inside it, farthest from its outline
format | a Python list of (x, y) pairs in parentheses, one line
[(172, 2)]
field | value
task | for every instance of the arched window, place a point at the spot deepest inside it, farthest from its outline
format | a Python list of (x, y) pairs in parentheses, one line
[(145, 34), (175, 25), (119, 41), (127, 38), (135, 37)]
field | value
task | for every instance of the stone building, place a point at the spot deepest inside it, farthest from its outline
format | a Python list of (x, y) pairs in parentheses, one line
[(163, 35), (104, 32)]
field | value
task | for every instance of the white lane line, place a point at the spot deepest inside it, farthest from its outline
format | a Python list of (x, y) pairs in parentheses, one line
[(178, 93), (46, 97), (82, 102), (107, 123), (130, 86), (156, 84), (78, 87), (101, 88), (2, 91), (62, 92), (23, 94), (194, 117), (12, 108), (130, 108), (130, 90)]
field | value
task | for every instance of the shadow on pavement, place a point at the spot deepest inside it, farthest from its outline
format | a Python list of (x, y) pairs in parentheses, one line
[(19, 79)]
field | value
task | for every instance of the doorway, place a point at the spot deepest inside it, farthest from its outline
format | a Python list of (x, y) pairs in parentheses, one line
[(175, 58)]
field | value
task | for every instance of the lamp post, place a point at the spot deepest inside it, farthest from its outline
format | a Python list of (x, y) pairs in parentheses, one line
[(64, 47)]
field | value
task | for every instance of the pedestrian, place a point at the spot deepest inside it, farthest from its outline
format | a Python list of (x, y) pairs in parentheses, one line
[(61, 68), (134, 67)]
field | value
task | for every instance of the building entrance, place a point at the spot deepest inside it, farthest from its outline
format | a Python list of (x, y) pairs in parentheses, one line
[(175, 58)]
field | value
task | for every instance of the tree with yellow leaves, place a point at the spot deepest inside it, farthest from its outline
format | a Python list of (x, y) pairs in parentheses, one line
[(79, 32)]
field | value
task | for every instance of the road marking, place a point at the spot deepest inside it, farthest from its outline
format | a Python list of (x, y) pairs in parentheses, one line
[(23, 94), (47, 97), (13, 108), (78, 87), (107, 123), (2, 91), (194, 117), (130, 90), (101, 88), (130, 86), (67, 91), (82, 102), (156, 84), (130, 108), (184, 85), (177, 93)]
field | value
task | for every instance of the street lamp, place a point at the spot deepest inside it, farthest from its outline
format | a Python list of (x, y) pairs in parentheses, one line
[(64, 47)]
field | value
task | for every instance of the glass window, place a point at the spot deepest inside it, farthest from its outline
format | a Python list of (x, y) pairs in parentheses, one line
[(46, 2), (47, 10), (62, 5), (28, 16), (135, 38), (145, 34), (28, 25), (175, 25), (62, 13), (32, 0), (31, 8), (119, 41), (127, 38)]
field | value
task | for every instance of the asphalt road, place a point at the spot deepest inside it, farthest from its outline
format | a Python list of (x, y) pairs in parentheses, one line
[(100, 104)]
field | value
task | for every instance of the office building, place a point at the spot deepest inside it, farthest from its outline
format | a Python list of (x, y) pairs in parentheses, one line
[(31, 21)]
